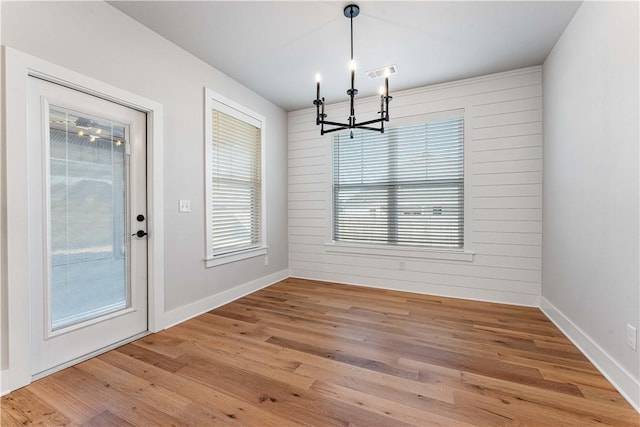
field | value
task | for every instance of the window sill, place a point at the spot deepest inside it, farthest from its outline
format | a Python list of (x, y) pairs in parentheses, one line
[(235, 256), (399, 251)]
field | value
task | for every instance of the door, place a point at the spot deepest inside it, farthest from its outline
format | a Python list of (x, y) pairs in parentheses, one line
[(87, 203)]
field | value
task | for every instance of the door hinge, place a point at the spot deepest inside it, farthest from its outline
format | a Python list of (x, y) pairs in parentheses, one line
[(127, 149)]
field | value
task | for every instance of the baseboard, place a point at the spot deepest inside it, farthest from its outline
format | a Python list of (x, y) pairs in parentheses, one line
[(194, 309), (484, 295), (4, 382), (622, 380)]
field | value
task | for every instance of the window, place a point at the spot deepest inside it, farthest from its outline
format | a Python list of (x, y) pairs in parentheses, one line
[(235, 217), (404, 187)]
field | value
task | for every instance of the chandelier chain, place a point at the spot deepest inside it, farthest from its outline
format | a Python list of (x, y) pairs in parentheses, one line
[(351, 20)]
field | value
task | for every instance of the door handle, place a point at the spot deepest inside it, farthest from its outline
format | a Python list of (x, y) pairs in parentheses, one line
[(140, 233)]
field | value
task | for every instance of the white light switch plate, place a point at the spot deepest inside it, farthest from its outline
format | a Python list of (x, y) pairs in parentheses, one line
[(632, 337), (184, 205)]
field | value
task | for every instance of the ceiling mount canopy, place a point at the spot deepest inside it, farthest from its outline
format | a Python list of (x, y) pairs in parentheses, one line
[(351, 12)]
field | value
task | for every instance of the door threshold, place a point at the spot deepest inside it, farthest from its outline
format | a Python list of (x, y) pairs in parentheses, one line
[(81, 359)]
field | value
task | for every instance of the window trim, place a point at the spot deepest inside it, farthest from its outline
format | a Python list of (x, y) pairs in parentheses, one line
[(466, 253), (215, 101), (399, 251)]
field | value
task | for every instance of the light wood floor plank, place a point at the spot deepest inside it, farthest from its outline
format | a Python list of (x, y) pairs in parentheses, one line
[(309, 353)]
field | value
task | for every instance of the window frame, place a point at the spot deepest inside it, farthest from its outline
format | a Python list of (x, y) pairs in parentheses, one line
[(466, 253), (215, 101)]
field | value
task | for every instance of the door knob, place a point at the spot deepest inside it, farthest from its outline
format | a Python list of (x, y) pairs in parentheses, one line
[(140, 233)]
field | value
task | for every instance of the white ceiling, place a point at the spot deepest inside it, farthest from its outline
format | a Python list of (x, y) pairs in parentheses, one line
[(276, 48)]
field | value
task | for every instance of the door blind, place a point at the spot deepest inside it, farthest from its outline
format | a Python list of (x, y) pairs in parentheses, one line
[(236, 184), (401, 187)]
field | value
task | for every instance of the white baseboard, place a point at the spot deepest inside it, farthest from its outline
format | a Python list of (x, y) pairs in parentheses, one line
[(4, 382), (194, 309), (484, 295), (622, 380)]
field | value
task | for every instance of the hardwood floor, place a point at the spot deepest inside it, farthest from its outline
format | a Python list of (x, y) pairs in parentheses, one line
[(305, 353)]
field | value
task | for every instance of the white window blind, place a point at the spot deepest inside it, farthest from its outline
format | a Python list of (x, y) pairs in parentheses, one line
[(236, 184), (402, 187)]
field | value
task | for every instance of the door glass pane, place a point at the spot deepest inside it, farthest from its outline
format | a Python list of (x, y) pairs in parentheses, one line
[(87, 217)]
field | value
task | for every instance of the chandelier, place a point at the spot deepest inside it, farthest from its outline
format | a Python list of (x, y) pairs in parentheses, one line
[(351, 12)]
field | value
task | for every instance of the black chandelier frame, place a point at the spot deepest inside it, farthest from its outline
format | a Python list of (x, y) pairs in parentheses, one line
[(351, 11)]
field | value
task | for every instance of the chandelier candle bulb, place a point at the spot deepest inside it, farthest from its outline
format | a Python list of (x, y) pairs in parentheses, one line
[(353, 77), (317, 86), (352, 67)]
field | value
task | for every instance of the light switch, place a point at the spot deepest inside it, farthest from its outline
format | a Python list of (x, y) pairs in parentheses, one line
[(184, 206), (632, 337)]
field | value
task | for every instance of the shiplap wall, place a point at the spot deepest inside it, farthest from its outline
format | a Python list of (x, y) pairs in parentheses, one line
[(503, 193)]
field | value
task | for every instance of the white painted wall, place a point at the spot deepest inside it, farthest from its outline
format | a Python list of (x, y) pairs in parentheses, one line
[(4, 318), (95, 39), (503, 174), (590, 282)]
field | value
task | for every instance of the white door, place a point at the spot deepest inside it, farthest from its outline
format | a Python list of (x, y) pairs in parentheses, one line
[(87, 203)]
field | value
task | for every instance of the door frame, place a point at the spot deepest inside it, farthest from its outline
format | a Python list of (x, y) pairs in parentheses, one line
[(19, 66)]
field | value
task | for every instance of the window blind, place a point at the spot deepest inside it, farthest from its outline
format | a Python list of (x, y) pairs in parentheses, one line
[(236, 204), (402, 187)]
